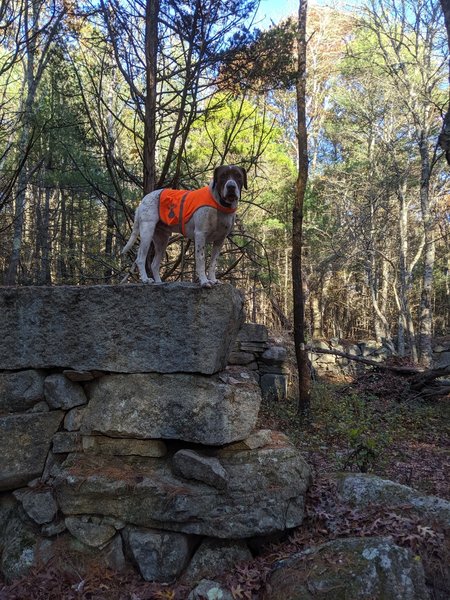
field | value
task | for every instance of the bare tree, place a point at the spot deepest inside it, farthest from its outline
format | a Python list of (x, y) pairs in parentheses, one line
[(405, 54), (297, 220), (151, 56), (40, 24), (444, 137)]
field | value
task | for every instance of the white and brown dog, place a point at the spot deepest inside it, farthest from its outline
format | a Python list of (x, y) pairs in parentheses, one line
[(204, 216)]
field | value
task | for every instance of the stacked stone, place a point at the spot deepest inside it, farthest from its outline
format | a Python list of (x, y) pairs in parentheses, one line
[(123, 436), (331, 365), (253, 350)]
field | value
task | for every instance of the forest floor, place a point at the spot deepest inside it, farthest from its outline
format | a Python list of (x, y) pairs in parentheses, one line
[(365, 426)]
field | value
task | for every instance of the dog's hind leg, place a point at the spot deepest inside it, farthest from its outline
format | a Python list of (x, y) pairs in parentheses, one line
[(134, 234), (160, 241), (146, 232)]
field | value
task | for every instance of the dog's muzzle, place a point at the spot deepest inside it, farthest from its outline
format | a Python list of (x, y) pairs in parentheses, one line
[(230, 193)]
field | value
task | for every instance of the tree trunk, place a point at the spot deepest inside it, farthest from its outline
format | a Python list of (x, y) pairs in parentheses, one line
[(21, 194), (426, 310), (151, 52), (444, 137), (61, 261), (45, 271), (316, 317), (109, 237), (406, 324), (37, 36), (304, 378)]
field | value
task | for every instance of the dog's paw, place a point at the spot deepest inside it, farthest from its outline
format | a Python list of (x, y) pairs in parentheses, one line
[(147, 280), (206, 284)]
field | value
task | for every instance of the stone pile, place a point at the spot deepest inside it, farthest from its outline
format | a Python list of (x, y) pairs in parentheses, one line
[(335, 366), (125, 438), (253, 350)]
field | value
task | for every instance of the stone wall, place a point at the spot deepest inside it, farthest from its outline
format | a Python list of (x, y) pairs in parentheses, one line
[(272, 360), (125, 438), (335, 366), (267, 359)]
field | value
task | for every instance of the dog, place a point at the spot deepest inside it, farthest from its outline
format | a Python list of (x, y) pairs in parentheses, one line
[(205, 216)]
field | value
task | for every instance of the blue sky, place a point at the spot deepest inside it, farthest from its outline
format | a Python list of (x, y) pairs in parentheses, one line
[(274, 10)]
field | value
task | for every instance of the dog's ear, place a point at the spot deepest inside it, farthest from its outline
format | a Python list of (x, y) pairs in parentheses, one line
[(244, 173), (216, 176)]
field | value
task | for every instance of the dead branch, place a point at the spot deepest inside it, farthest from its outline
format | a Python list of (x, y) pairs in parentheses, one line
[(420, 381), (402, 370)]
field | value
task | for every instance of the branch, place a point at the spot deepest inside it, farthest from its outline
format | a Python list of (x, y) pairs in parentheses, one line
[(367, 361)]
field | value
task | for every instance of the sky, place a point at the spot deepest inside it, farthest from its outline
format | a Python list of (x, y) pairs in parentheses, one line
[(274, 10)]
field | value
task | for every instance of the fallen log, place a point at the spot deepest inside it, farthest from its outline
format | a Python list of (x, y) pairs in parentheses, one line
[(426, 384), (402, 370)]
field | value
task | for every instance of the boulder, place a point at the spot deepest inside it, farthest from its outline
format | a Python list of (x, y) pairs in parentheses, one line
[(212, 590), (361, 489), (253, 332), (39, 505), (214, 557), (23, 548), (20, 391), (265, 492), (193, 465), (24, 444), (349, 569), (159, 555), (92, 532), (241, 358), (274, 355), (193, 408), (176, 327), (60, 392), (258, 439), (73, 418)]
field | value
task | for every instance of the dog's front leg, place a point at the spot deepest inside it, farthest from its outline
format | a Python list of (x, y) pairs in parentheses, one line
[(217, 247), (200, 243)]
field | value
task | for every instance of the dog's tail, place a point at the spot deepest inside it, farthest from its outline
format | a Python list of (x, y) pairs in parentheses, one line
[(134, 233)]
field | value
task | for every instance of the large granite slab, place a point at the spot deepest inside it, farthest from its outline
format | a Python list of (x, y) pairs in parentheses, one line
[(176, 327), (213, 410)]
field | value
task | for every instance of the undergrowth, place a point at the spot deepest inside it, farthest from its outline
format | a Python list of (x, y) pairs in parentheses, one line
[(406, 441), (354, 431)]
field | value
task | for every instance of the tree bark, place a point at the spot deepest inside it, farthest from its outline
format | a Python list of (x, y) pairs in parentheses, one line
[(304, 377), (151, 53), (30, 87), (37, 54), (444, 137), (426, 309), (406, 323)]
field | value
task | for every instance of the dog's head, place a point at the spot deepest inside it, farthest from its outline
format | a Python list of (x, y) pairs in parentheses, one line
[(228, 182)]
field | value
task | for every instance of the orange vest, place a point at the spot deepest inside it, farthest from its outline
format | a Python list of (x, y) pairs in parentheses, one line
[(177, 206)]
